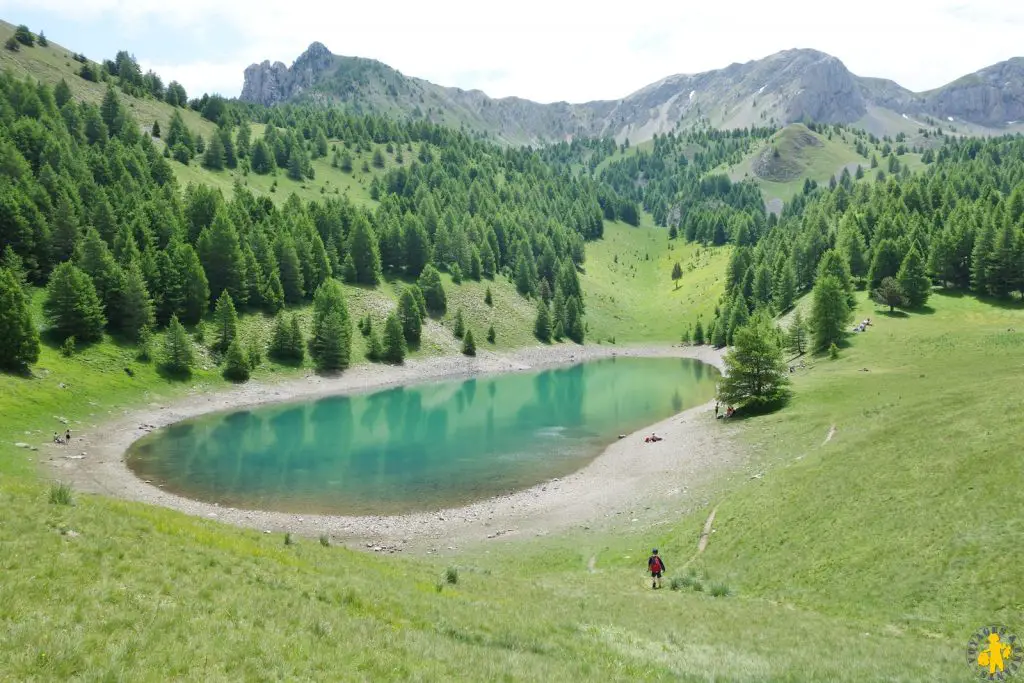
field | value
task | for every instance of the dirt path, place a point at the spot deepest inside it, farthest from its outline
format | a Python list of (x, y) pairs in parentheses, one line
[(625, 478), (831, 433), (706, 534)]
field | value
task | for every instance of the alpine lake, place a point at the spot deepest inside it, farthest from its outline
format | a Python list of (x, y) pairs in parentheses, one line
[(420, 447)]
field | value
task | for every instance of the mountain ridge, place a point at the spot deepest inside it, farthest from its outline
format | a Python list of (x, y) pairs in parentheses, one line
[(790, 86)]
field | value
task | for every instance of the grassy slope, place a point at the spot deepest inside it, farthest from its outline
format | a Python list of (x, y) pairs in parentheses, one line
[(819, 163), (885, 549), (52, 63), (635, 299)]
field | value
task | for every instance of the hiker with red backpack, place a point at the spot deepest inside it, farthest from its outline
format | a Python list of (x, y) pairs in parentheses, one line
[(656, 566)]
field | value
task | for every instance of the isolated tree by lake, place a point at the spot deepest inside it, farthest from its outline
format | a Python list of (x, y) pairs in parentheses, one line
[(830, 313), (332, 343), (913, 279), (177, 356), (889, 293), (468, 345), (72, 305), (394, 347), (236, 363), (796, 337), (287, 344), (492, 336), (573, 325), (433, 290), (332, 340), (409, 316), (698, 333), (19, 340), (459, 327), (677, 272), (542, 325), (226, 320), (755, 371)]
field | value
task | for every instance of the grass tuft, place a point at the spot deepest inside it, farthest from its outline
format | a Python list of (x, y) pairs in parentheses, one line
[(325, 540), (719, 590), (451, 575), (288, 540), (60, 494)]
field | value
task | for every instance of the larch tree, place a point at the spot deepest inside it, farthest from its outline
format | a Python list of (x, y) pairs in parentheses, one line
[(755, 373), (72, 305), (830, 312), (19, 339)]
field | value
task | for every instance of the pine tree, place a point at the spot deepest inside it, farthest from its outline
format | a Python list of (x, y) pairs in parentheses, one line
[(488, 299), (226, 321), (796, 339), (287, 344), (409, 315), (332, 328), (573, 324), (290, 270), (135, 308), (468, 345), (785, 288), (492, 336), (459, 328), (698, 333), (19, 339), (333, 342), (829, 313), (886, 262), (755, 372), (214, 156), (296, 164), (433, 290), (72, 305), (374, 347), (417, 247), (195, 296), (236, 364), (221, 254), (677, 272), (394, 347), (542, 326), (913, 280), (178, 357), (365, 252), (834, 264)]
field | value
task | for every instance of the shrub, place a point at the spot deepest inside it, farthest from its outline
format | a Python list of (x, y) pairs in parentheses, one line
[(677, 583), (468, 345), (833, 351), (491, 334), (325, 540), (67, 349), (288, 540), (719, 590), (60, 494), (451, 575)]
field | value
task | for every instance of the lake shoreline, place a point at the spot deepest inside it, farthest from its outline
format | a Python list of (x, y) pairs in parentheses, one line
[(609, 484)]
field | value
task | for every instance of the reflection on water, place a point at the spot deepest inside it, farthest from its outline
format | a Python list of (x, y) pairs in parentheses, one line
[(421, 447)]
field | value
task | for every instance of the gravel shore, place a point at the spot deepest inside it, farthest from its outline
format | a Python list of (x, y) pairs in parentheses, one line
[(627, 474)]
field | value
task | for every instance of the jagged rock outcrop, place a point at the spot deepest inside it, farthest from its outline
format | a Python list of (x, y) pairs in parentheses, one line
[(787, 87), (269, 84)]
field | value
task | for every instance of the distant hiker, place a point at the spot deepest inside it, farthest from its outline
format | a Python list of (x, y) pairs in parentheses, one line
[(56, 438), (67, 437), (656, 566), (716, 410)]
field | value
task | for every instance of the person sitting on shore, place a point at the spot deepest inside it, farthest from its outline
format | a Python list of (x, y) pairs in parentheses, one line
[(57, 438), (730, 412)]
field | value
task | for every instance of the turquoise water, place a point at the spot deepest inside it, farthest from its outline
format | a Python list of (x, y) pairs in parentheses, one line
[(421, 447)]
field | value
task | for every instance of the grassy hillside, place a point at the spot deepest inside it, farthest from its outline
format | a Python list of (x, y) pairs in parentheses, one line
[(52, 63), (628, 289), (328, 180), (877, 547), (782, 164)]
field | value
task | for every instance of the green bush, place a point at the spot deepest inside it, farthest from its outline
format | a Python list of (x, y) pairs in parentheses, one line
[(451, 575), (325, 540), (67, 349)]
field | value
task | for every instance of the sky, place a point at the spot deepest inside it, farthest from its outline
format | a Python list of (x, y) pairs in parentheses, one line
[(544, 50)]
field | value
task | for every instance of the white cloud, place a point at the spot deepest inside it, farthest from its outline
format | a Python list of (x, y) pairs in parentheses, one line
[(574, 51)]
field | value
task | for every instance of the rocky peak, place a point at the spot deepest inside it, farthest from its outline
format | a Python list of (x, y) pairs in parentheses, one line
[(269, 84)]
